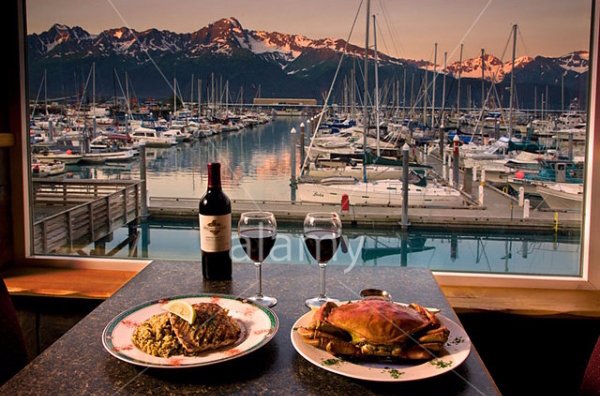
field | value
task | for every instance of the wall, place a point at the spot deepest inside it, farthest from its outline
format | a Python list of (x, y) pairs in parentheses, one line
[(6, 252)]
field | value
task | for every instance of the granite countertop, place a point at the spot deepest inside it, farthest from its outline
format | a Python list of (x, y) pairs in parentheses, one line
[(78, 364)]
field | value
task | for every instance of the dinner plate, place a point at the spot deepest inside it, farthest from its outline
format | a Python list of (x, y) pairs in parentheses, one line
[(457, 349), (259, 325)]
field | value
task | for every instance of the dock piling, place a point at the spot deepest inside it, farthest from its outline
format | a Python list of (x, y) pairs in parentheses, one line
[(444, 166), (405, 150), (293, 162), (526, 209), (481, 194), (302, 143), (50, 131), (570, 152), (521, 196), (144, 198), (468, 181), (455, 162)]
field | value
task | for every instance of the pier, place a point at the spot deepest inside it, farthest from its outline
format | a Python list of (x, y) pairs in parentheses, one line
[(72, 213), (499, 212)]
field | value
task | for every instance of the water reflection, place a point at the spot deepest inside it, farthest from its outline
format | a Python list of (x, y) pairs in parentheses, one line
[(508, 253), (256, 164)]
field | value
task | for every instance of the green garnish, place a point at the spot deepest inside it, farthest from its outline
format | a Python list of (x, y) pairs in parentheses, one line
[(331, 362), (395, 373), (440, 363)]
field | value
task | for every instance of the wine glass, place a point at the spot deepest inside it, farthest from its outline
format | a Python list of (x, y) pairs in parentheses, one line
[(257, 232), (322, 235)]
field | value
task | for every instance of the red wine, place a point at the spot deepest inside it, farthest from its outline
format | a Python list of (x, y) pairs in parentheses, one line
[(257, 243), (215, 228), (322, 244)]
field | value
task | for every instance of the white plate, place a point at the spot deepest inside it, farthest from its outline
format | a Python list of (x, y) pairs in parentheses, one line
[(458, 348), (259, 326)]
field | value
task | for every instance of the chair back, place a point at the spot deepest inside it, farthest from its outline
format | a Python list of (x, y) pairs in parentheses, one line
[(591, 378)]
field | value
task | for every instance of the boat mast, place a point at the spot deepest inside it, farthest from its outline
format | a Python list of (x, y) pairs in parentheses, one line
[(404, 93), (192, 91), (46, 90), (199, 100), (512, 82), (366, 93), (444, 89), (460, 60), (433, 86), (128, 118), (94, 89), (94, 99), (482, 81), (376, 85), (425, 100), (174, 96)]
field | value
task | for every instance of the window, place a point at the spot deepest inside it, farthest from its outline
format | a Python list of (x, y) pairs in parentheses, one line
[(89, 83)]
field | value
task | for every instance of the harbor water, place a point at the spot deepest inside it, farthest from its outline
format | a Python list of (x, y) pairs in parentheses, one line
[(477, 252), (257, 166)]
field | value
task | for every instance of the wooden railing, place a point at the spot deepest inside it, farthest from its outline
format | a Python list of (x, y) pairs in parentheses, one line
[(89, 210)]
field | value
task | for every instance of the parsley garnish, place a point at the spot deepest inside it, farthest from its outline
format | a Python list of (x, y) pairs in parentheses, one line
[(331, 362), (440, 363)]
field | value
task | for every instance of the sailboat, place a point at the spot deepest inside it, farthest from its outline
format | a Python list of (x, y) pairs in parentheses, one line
[(374, 192)]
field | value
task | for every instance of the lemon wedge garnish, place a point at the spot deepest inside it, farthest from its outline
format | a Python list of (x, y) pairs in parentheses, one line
[(182, 309)]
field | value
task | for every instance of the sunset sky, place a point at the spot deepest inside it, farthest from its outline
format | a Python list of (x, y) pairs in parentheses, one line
[(407, 28)]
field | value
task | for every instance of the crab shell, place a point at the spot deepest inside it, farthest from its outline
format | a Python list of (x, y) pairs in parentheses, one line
[(376, 328)]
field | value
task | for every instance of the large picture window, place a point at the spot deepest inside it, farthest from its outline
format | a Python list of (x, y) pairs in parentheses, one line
[(496, 108)]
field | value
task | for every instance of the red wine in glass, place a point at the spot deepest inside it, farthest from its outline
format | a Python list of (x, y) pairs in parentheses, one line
[(322, 244), (257, 232), (257, 243), (322, 236)]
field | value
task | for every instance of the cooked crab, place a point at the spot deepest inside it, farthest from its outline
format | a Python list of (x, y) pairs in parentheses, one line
[(371, 328)]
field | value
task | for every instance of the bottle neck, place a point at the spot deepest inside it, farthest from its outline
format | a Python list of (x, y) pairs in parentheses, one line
[(214, 176)]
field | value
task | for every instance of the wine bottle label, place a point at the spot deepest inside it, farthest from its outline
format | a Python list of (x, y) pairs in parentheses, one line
[(215, 233)]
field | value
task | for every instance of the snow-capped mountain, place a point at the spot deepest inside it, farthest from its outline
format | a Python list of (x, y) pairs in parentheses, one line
[(493, 68), (282, 64), (225, 37)]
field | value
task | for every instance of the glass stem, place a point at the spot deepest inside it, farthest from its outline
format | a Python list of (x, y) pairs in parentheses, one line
[(259, 278), (322, 272)]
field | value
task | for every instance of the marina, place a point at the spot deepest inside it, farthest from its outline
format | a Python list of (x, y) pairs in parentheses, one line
[(310, 197)]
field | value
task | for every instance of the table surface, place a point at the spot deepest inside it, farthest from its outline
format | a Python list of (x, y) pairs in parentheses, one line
[(78, 363)]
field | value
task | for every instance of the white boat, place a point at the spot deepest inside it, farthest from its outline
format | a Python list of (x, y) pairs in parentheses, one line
[(68, 157), (152, 138), (39, 169), (374, 172), (100, 157), (562, 196), (177, 134), (379, 192)]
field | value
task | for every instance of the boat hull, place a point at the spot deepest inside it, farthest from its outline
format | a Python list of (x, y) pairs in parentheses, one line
[(378, 193)]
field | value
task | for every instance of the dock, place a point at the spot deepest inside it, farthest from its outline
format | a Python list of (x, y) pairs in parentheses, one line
[(71, 213), (499, 212)]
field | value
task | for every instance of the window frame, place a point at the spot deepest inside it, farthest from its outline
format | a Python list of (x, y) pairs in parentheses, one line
[(590, 242)]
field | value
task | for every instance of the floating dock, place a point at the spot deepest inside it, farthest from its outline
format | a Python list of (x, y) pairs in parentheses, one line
[(499, 211)]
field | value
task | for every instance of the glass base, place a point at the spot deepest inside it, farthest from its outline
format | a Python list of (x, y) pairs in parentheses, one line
[(265, 301), (316, 302)]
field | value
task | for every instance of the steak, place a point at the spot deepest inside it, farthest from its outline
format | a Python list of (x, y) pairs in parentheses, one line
[(212, 329)]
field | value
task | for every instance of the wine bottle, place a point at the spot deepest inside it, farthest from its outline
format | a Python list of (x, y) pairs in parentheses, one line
[(215, 228)]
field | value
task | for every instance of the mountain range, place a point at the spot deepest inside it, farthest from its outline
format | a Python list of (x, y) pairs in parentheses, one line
[(270, 63)]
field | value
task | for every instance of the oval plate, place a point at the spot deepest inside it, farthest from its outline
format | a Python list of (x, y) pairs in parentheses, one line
[(259, 326), (458, 348)]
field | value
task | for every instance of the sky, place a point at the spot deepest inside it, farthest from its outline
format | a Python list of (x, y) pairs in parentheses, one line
[(406, 28)]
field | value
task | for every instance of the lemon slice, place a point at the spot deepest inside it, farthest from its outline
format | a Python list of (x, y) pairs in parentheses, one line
[(182, 309)]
